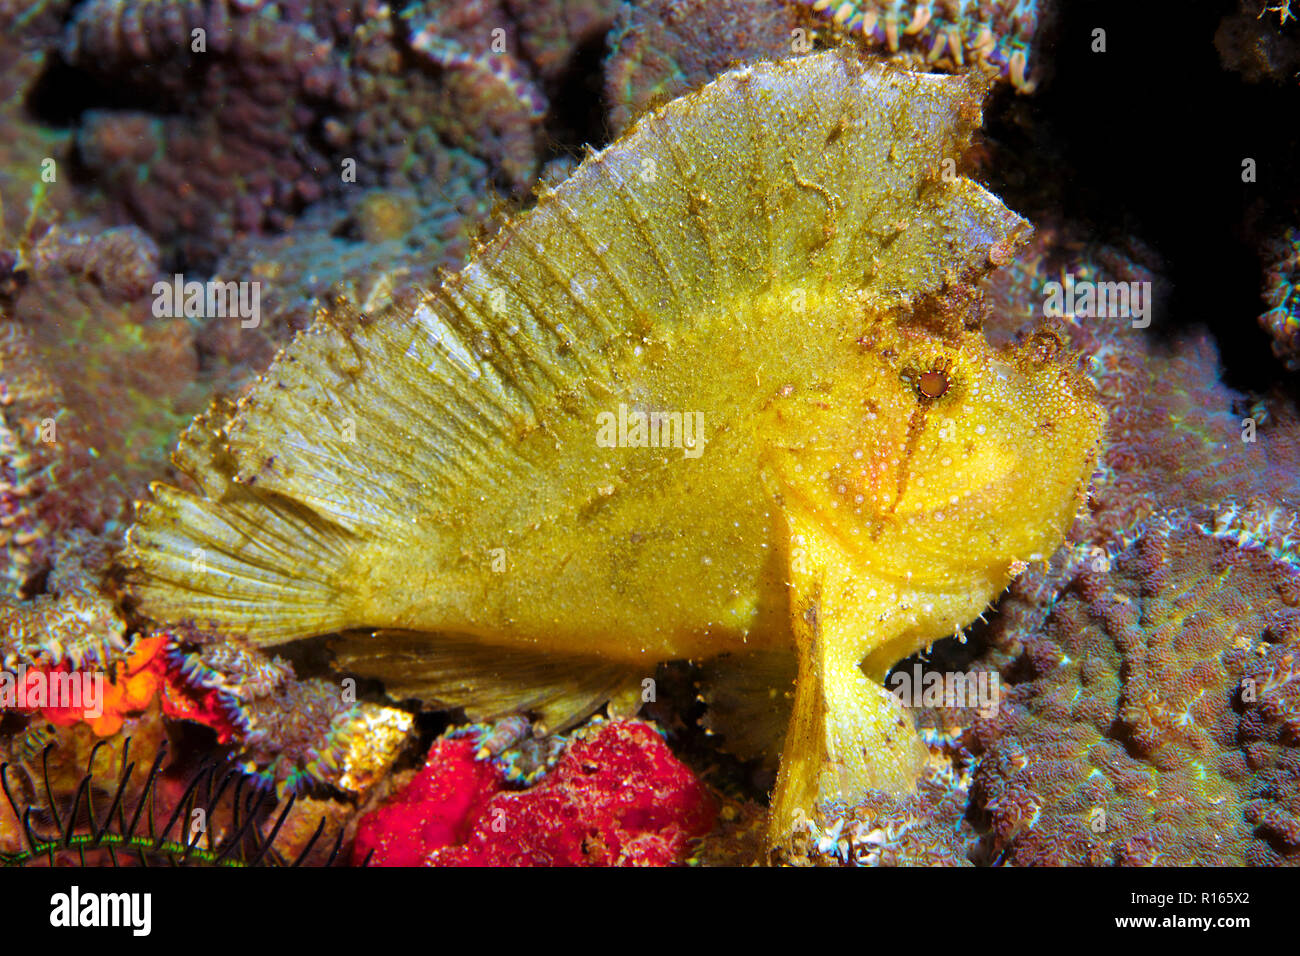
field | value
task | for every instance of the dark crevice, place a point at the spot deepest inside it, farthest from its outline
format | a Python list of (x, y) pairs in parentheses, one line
[(577, 115), (1146, 141)]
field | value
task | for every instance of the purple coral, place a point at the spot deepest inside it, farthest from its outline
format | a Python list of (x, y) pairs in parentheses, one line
[(265, 108), (1151, 717), (663, 48), (82, 431), (1176, 436)]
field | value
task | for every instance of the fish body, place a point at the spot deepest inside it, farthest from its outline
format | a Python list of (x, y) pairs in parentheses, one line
[(776, 274)]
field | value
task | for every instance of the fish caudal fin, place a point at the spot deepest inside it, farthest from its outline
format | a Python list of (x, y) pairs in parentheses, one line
[(848, 734), (254, 565)]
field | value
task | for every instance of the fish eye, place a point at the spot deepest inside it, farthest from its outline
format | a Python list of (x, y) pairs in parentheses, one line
[(933, 384)]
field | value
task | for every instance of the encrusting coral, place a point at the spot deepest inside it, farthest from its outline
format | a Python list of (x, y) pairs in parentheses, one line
[(877, 473), (233, 117), (82, 431), (924, 828), (1176, 435), (372, 249), (73, 622), (661, 49), (1154, 718), (289, 733), (616, 797)]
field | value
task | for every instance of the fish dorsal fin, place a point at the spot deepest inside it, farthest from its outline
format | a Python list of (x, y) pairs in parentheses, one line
[(816, 170)]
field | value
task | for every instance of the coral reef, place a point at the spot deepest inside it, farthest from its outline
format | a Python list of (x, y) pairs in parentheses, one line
[(661, 49), (82, 430), (384, 245), (1176, 436), (1154, 721), (1282, 295), (383, 431), (29, 467), (994, 35), (257, 111), (552, 32), (1261, 41), (617, 797), (73, 624), (52, 640), (482, 66), (288, 733), (35, 183), (74, 630), (923, 828)]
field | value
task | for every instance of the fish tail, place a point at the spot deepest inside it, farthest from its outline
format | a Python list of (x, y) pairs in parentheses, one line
[(260, 566)]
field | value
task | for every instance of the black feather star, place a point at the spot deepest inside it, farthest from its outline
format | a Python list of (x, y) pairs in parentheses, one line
[(134, 838)]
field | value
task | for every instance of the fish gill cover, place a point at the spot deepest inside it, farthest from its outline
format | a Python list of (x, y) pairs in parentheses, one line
[(778, 259)]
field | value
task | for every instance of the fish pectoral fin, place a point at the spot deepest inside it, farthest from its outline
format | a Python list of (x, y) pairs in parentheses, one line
[(490, 681), (749, 696), (848, 734)]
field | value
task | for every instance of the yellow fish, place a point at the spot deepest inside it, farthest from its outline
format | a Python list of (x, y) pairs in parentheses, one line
[(721, 392)]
